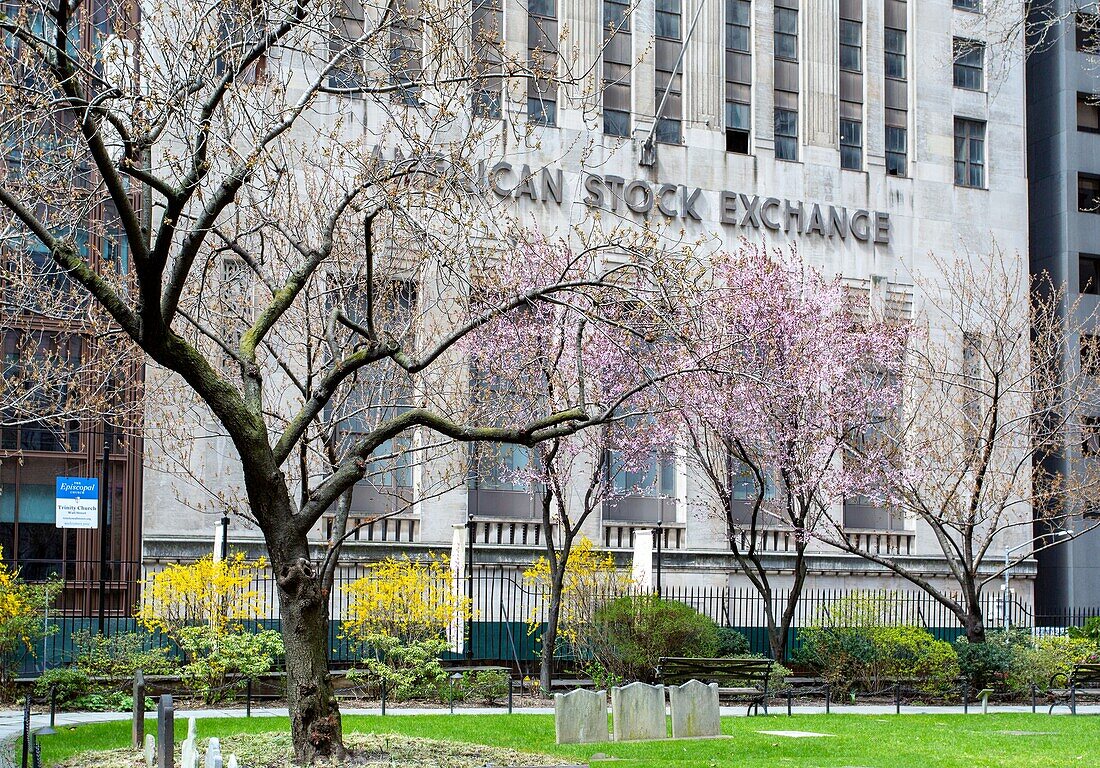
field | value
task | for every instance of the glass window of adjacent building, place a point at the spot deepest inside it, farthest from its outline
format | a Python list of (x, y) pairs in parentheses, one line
[(1088, 273), (851, 145), (487, 31), (668, 81), (1090, 354), (968, 5), (1087, 34), (542, 53), (1088, 193), (1088, 112), (851, 45), (786, 134), (617, 67), (786, 33), (406, 39), (969, 64), (969, 153), (896, 73), (1090, 435), (895, 53), (738, 75), (896, 150)]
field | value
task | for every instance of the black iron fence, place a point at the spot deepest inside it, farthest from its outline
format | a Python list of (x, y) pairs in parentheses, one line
[(509, 612)]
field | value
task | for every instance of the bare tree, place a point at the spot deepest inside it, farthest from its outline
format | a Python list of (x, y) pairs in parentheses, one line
[(994, 392), (257, 158)]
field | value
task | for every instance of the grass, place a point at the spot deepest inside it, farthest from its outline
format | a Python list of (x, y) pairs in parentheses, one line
[(863, 741)]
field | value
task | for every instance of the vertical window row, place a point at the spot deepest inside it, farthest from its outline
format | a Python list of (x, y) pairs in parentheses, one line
[(896, 68), (616, 67), (487, 35), (738, 75), (542, 54), (851, 84), (969, 153), (668, 83), (786, 79), (406, 62)]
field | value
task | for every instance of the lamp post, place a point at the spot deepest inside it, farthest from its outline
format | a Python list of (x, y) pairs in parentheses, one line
[(660, 523), (225, 537), (471, 530), (104, 515)]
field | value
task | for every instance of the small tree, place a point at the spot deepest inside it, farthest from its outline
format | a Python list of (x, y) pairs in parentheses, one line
[(789, 373)]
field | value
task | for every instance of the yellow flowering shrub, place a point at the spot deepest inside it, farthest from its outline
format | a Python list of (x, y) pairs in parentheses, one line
[(591, 580), (218, 594), (21, 618), (404, 599)]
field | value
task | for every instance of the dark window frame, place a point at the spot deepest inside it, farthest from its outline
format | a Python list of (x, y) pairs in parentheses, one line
[(851, 151), (971, 136), (1091, 103), (1090, 204), (968, 64), (1088, 274), (897, 159), (788, 138)]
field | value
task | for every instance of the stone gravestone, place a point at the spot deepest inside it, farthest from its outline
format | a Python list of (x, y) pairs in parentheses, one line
[(694, 710), (137, 733), (638, 712), (150, 750), (166, 737), (214, 754), (192, 729), (580, 716), (189, 753), (232, 762)]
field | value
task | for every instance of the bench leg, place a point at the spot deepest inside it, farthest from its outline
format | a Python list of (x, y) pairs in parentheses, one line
[(1073, 699)]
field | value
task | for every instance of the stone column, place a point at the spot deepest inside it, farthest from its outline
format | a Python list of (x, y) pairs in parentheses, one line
[(819, 28)]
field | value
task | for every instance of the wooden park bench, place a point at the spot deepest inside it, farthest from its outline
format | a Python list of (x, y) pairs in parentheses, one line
[(736, 677), (1084, 680)]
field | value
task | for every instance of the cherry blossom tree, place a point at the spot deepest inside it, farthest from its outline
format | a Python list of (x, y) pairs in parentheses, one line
[(791, 375)]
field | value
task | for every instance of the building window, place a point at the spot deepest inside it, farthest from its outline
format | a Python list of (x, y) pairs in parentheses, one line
[(851, 45), (542, 53), (786, 34), (347, 30), (969, 68), (1090, 354), (851, 145), (406, 64), (668, 83), (1088, 193), (786, 134), (1088, 112), (1088, 268), (487, 29), (968, 5), (617, 66), (969, 153), (895, 53), (738, 75), (896, 151), (1088, 32), (1090, 435)]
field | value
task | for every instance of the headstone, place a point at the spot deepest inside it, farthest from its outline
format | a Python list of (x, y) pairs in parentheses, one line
[(150, 750), (580, 716), (694, 710), (137, 733), (192, 729), (189, 753), (232, 762), (638, 712), (166, 736), (214, 754)]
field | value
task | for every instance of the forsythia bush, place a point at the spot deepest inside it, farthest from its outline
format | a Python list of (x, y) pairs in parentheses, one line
[(21, 618), (409, 600), (201, 607), (591, 581)]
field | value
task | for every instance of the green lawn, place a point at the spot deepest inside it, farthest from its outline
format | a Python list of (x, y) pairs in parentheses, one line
[(863, 741)]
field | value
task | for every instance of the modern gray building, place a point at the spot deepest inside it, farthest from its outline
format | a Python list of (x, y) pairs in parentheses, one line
[(1063, 137)]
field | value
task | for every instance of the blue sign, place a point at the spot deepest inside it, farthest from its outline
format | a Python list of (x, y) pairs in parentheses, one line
[(77, 502)]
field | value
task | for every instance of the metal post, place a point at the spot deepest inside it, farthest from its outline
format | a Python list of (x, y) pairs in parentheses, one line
[(660, 523), (897, 698), (53, 705), (105, 500), (248, 700), (789, 696), (828, 697), (470, 532), (225, 536), (1033, 698), (26, 730), (383, 698), (966, 697), (511, 684)]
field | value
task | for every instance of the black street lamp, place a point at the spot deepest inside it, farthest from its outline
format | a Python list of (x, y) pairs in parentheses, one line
[(471, 531), (660, 522), (225, 537)]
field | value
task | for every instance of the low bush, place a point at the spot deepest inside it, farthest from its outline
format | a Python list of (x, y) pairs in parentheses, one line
[(909, 652), (988, 664), (220, 664), (119, 656), (70, 683), (409, 670), (1037, 662), (487, 686), (1090, 631), (635, 632), (732, 643)]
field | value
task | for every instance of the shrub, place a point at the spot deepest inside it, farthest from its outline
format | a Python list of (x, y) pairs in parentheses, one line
[(1090, 632), (409, 670), (912, 652), (732, 643), (843, 656), (118, 656), (1039, 661), (21, 619), (485, 685), (987, 664), (222, 664), (635, 632), (70, 682)]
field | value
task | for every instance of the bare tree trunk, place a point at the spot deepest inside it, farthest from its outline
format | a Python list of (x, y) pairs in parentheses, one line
[(303, 610), (974, 619), (550, 634)]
